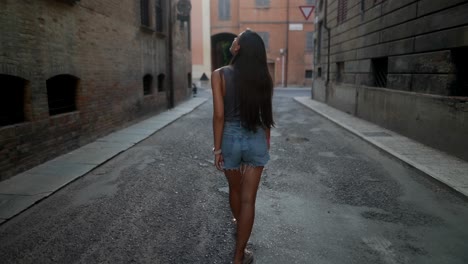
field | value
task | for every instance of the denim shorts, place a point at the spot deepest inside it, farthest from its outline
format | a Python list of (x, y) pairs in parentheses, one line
[(241, 146)]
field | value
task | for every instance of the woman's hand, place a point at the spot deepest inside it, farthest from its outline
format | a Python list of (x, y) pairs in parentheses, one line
[(268, 136), (219, 162)]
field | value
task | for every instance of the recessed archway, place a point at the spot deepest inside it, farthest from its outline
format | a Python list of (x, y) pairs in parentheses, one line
[(220, 54)]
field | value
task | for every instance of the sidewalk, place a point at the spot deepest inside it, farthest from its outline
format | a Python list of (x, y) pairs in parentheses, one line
[(25, 189), (439, 165)]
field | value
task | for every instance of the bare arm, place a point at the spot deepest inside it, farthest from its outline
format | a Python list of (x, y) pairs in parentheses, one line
[(218, 115)]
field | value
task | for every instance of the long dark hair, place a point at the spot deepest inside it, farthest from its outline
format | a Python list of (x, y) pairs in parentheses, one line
[(253, 82)]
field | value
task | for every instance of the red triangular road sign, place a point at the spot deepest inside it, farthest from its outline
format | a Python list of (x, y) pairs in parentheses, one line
[(307, 11)]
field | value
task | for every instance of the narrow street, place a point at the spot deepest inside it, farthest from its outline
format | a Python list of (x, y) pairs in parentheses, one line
[(325, 197)]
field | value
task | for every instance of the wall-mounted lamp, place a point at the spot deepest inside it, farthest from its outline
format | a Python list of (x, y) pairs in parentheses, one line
[(183, 12)]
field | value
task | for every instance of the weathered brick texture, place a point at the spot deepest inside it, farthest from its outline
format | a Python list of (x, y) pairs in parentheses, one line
[(103, 45)]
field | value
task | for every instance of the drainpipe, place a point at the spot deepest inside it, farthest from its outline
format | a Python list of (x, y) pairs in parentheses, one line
[(286, 50), (325, 25), (171, 57)]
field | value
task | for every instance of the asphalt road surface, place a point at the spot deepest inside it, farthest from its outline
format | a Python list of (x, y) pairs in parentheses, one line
[(325, 197)]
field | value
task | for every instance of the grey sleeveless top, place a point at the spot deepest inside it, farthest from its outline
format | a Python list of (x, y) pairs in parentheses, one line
[(231, 104)]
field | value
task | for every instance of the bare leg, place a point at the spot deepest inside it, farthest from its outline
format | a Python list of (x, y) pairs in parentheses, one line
[(248, 195), (234, 178)]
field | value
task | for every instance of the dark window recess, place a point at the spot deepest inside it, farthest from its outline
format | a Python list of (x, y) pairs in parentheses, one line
[(380, 71), (319, 72), (161, 82), (159, 16), (61, 94), (144, 9), (309, 41), (262, 3), (460, 59), (308, 74), (266, 39), (11, 99), (224, 9), (189, 80), (339, 71), (319, 43), (342, 11), (147, 84)]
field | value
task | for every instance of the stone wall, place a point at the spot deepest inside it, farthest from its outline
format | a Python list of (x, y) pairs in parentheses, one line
[(104, 46), (399, 63)]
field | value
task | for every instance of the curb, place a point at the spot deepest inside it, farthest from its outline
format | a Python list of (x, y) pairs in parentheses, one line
[(28, 188), (443, 175)]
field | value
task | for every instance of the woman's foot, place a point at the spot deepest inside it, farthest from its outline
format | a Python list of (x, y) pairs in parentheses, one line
[(248, 257)]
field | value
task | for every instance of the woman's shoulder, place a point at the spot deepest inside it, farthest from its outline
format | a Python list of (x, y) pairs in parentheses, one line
[(224, 68), (222, 71)]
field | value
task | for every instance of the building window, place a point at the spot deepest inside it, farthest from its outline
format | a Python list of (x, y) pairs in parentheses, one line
[(266, 39), (339, 71), (319, 72), (189, 80), (262, 3), (380, 71), (147, 84), (308, 74), (61, 94), (144, 10), (460, 58), (319, 43), (310, 2), (12, 97), (224, 9), (309, 41), (161, 78), (342, 10), (159, 16)]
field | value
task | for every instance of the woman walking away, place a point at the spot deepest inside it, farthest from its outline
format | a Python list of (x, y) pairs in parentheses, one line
[(242, 119)]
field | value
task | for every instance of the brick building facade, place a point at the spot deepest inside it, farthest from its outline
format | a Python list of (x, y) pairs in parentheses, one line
[(400, 64), (287, 34), (72, 71)]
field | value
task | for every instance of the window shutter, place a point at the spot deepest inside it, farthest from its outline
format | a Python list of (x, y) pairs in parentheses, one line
[(342, 10)]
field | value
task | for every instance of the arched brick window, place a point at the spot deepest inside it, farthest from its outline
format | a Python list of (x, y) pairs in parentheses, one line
[(61, 94), (12, 96), (147, 84)]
